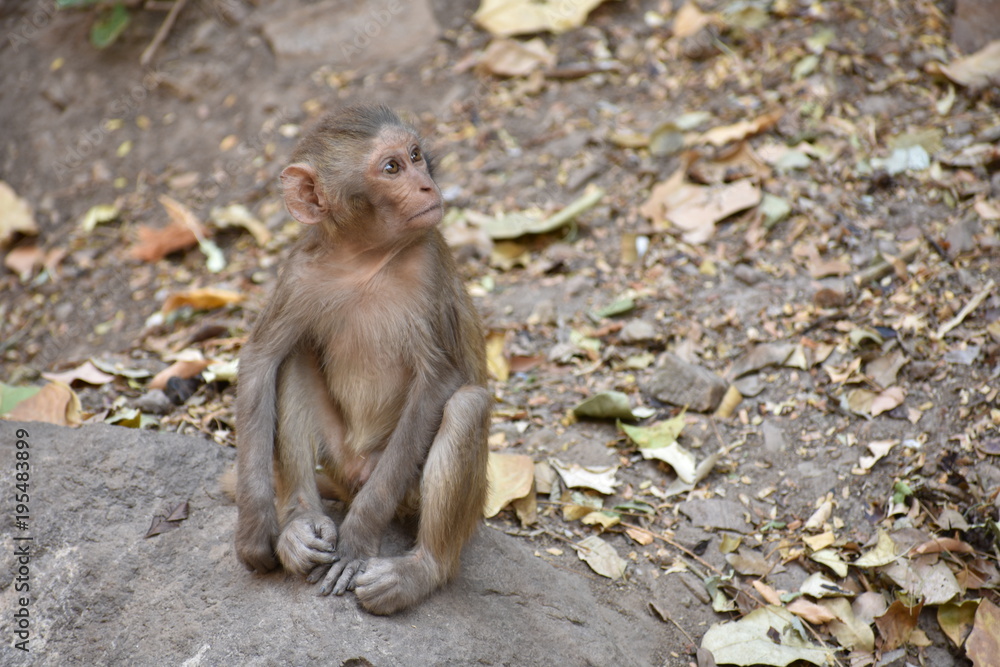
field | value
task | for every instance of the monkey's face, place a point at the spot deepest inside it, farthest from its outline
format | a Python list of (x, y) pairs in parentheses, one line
[(402, 189)]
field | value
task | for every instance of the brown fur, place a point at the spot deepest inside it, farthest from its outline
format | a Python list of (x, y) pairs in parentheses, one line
[(368, 361)]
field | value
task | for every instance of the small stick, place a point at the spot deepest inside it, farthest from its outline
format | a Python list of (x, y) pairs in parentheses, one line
[(962, 314), (883, 268), (162, 33)]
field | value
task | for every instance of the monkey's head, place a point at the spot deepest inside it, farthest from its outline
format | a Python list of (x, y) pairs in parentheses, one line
[(362, 174)]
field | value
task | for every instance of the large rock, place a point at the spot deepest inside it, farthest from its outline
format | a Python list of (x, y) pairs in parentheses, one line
[(101, 593)]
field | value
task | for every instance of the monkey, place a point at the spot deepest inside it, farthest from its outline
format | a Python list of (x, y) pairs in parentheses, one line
[(366, 369)]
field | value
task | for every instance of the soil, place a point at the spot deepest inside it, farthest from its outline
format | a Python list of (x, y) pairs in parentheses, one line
[(213, 118)]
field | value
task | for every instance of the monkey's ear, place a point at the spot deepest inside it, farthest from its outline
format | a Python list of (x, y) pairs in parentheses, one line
[(303, 195)]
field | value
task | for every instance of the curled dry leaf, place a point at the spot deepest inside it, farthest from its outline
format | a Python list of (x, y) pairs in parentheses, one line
[(204, 298), (184, 231), (575, 476), (510, 476), (184, 368), (86, 372)]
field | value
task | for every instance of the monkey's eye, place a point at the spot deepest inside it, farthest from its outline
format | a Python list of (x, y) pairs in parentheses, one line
[(391, 167), (416, 155)]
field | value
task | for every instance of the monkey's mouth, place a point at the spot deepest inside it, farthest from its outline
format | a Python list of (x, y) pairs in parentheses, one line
[(433, 207)]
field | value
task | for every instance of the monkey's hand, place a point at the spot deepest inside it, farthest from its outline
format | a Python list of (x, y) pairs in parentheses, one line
[(308, 542), (351, 557), (255, 541)]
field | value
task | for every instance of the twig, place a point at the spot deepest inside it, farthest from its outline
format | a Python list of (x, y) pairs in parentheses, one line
[(962, 314), (883, 268), (162, 33)]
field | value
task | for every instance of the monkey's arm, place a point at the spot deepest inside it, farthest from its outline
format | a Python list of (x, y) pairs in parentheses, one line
[(256, 417)]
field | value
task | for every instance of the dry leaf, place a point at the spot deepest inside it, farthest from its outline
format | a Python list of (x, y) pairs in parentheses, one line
[(852, 632), (601, 557), (957, 620), (183, 368), (56, 403), (887, 400), (510, 477), (694, 209), (883, 553), (521, 17), (982, 68), (16, 215), (496, 360), (24, 260), (86, 372), (204, 298), (689, 20), (897, 623), (599, 478), (720, 136), (983, 645), (183, 232), (237, 215), (511, 57), (812, 612)]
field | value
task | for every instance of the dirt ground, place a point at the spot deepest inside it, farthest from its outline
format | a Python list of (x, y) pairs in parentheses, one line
[(859, 317)]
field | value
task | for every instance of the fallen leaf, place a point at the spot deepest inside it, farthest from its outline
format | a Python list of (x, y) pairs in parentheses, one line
[(719, 136), (24, 260), (819, 586), (887, 400), (851, 632), (812, 612), (979, 69), (944, 545), (183, 368), (521, 17), (832, 560), (85, 372), (767, 636), (601, 518), (184, 231), (55, 403), (601, 557), (983, 645), (99, 214), (510, 477), (878, 448), (496, 360), (237, 215), (897, 623), (599, 478), (511, 57), (689, 20), (956, 620), (931, 582), (695, 209), (606, 405), (883, 553), (16, 215), (204, 298), (513, 225), (11, 396)]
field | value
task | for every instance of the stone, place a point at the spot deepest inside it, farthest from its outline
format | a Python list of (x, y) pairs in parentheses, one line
[(680, 383)]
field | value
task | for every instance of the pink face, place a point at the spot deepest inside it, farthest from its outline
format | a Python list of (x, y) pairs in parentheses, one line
[(402, 185)]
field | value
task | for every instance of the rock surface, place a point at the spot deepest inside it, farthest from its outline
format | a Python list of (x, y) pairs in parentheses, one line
[(103, 594)]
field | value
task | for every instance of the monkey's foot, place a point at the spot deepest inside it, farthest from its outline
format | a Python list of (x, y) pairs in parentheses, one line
[(308, 542), (389, 585)]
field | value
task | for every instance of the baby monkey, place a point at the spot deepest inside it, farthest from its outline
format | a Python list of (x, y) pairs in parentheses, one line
[(365, 372)]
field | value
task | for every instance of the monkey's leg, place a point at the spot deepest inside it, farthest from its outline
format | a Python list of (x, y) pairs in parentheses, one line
[(452, 492), (306, 421)]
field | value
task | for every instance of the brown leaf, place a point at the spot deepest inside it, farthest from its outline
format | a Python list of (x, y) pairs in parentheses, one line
[(86, 372), (897, 623), (182, 232), (979, 69), (179, 512), (812, 612), (205, 298), (511, 57), (56, 403), (24, 260), (983, 645), (183, 369), (720, 136), (159, 526)]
